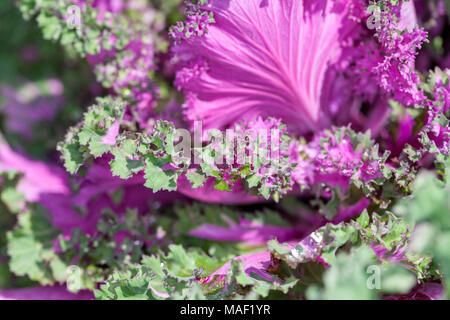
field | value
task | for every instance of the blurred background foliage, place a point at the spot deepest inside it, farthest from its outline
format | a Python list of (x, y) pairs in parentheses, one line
[(30, 69)]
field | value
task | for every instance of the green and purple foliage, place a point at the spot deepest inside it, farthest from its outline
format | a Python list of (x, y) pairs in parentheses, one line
[(101, 99)]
